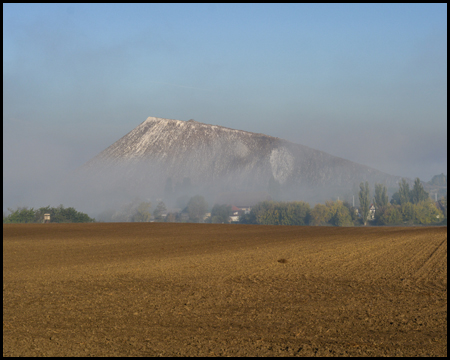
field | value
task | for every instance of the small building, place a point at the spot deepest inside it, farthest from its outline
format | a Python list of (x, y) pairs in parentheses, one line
[(237, 212), (46, 218), (244, 209), (370, 215)]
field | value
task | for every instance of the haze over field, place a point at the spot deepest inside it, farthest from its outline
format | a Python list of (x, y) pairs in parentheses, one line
[(367, 83)]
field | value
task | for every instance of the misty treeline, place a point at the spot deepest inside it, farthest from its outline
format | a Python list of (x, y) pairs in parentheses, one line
[(409, 206), (57, 215), (192, 210), (406, 207)]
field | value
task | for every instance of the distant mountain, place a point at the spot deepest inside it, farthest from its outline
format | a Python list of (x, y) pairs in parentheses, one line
[(163, 158)]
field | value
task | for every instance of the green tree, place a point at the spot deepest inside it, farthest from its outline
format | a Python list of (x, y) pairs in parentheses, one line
[(220, 214), (341, 215), (296, 213), (196, 208), (381, 197), (408, 212), (20, 215), (142, 213), (57, 215), (364, 201), (418, 193), (320, 215), (390, 216), (404, 192), (395, 200), (266, 213), (352, 211), (278, 213), (160, 209), (428, 213), (249, 218), (63, 215)]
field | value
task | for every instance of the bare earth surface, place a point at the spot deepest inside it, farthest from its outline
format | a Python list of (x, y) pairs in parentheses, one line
[(152, 289)]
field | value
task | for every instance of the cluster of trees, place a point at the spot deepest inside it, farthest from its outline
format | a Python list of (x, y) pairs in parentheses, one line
[(140, 211), (135, 211), (220, 214), (333, 213), (57, 215), (194, 211), (409, 206), (278, 213)]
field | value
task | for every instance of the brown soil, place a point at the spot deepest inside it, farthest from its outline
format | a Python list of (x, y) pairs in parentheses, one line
[(148, 289)]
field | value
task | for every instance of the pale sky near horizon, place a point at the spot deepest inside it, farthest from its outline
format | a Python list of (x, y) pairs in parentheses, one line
[(363, 82)]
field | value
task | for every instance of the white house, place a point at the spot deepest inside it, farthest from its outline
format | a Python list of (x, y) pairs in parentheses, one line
[(371, 215)]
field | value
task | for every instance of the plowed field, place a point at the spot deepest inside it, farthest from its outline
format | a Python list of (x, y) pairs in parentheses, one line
[(152, 289)]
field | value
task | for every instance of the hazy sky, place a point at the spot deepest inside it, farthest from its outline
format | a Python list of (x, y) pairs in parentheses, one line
[(364, 82)]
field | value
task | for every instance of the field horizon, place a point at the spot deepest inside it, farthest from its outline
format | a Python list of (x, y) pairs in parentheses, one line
[(171, 289)]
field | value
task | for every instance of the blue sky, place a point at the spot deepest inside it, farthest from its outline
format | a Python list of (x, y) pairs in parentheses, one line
[(364, 82)]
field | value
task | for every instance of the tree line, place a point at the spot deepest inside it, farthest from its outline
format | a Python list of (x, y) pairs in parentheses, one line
[(141, 211), (57, 215), (410, 206), (332, 213), (407, 207)]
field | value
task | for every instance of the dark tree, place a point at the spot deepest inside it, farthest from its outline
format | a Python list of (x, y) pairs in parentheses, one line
[(160, 209), (395, 200), (142, 213), (404, 192), (57, 215), (381, 197), (418, 193), (220, 214), (364, 201), (196, 208)]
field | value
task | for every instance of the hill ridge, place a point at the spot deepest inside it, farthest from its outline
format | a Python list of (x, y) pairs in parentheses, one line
[(217, 159)]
